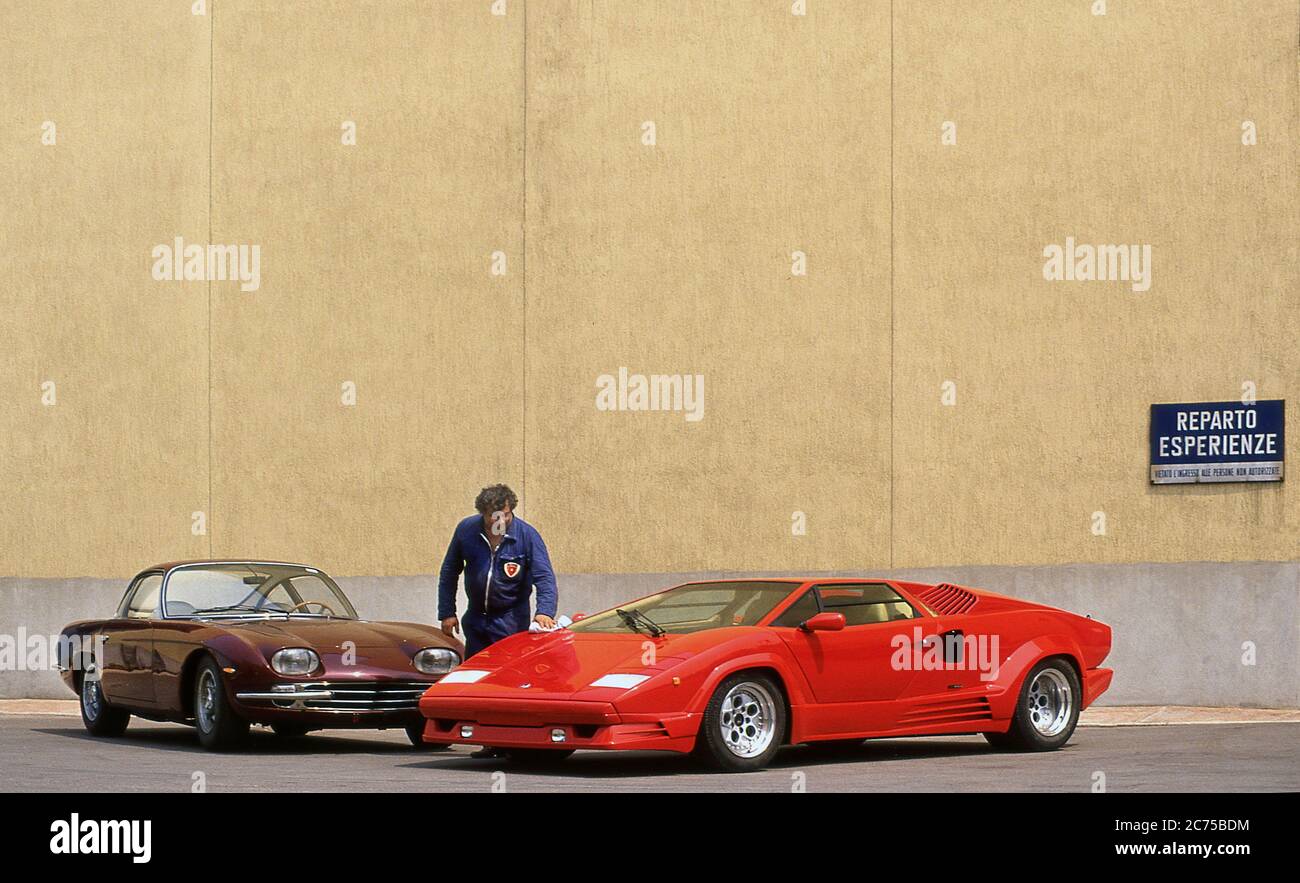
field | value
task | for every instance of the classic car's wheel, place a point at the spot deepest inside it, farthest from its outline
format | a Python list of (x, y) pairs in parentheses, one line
[(100, 718), (1047, 712), (743, 723), (415, 732), (289, 731), (218, 725)]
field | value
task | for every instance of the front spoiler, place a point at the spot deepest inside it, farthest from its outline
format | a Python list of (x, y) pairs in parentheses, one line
[(499, 722), (672, 734)]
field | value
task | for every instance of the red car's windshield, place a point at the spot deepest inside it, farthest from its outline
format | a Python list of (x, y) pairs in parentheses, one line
[(693, 607)]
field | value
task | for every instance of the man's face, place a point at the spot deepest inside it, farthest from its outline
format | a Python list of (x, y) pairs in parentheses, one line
[(498, 522)]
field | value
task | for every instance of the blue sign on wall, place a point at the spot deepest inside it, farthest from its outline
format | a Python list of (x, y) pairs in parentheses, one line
[(1217, 441)]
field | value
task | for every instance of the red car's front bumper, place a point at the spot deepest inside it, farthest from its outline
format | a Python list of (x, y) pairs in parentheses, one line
[(553, 723)]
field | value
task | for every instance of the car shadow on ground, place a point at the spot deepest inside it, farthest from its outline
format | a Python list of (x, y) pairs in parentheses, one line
[(635, 764), (260, 742)]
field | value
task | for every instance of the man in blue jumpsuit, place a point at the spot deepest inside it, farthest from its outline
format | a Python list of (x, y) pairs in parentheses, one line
[(503, 558)]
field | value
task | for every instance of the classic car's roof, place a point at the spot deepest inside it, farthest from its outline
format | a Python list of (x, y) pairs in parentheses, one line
[(168, 565)]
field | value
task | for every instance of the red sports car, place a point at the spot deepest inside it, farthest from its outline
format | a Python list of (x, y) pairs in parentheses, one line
[(734, 669)]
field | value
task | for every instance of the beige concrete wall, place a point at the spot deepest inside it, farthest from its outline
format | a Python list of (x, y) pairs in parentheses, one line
[(377, 273), (772, 136), (775, 133), (100, 472), (1125, 128)]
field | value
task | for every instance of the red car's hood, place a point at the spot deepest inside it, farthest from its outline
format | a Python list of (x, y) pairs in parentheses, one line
[(563, 664)]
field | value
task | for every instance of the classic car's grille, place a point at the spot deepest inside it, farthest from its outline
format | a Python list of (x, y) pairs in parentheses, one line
[(367, 695), (946, 599)]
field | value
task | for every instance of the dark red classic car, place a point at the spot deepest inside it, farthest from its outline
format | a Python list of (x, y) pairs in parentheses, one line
[(222, 644)]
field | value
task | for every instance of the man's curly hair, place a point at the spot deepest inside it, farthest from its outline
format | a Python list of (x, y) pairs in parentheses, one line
[(495, 498)]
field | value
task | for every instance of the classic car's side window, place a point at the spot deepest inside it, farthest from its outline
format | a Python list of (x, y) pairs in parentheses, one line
[(142, 600), (803, 609), (865, 604)]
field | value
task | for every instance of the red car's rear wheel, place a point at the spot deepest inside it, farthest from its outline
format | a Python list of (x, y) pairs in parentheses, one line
[(1048, 709)]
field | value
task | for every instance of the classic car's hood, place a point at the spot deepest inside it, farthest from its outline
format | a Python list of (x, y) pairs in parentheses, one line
[(347, 647), (326, 636), (564, 663)]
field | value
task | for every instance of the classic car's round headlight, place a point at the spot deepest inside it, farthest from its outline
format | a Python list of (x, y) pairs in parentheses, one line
[(436, 660), (295, 661)]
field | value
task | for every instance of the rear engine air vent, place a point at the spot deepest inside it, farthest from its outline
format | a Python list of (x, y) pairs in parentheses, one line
[(946, 599)]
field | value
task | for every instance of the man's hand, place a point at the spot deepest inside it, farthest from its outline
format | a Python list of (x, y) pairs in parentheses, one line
[(544, 621), (451, 626)]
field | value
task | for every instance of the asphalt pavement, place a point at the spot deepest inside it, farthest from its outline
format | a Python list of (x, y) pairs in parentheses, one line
[(53, 753)]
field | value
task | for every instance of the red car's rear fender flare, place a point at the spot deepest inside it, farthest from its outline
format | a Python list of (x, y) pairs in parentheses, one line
[(1012, 672)]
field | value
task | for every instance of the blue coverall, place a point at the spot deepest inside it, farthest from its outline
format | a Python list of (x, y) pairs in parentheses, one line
[(499, 583)]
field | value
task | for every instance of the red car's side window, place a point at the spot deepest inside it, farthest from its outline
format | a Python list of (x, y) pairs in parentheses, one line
[(865, 604), (799, 611)]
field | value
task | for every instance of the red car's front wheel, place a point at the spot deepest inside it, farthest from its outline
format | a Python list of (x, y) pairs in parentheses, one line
[(743, 723)]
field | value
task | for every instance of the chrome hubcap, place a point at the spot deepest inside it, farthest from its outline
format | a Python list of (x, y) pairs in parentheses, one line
[(206, 705), (1050, 702), (90, 697), (748, 719)]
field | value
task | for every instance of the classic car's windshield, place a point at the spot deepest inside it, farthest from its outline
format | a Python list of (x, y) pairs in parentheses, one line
[(254, 590), (693, 607)]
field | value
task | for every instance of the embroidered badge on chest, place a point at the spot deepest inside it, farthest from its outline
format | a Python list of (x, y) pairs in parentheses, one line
[(511, 569)]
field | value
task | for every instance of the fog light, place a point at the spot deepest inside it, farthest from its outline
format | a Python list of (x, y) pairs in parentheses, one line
[(466, 731), (557, 735)]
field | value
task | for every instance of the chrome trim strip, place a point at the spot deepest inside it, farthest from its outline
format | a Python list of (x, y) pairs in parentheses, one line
[(291, 697)]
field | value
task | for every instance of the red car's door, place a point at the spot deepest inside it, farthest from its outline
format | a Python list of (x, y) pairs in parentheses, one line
[(944, 640), (852, 665)]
